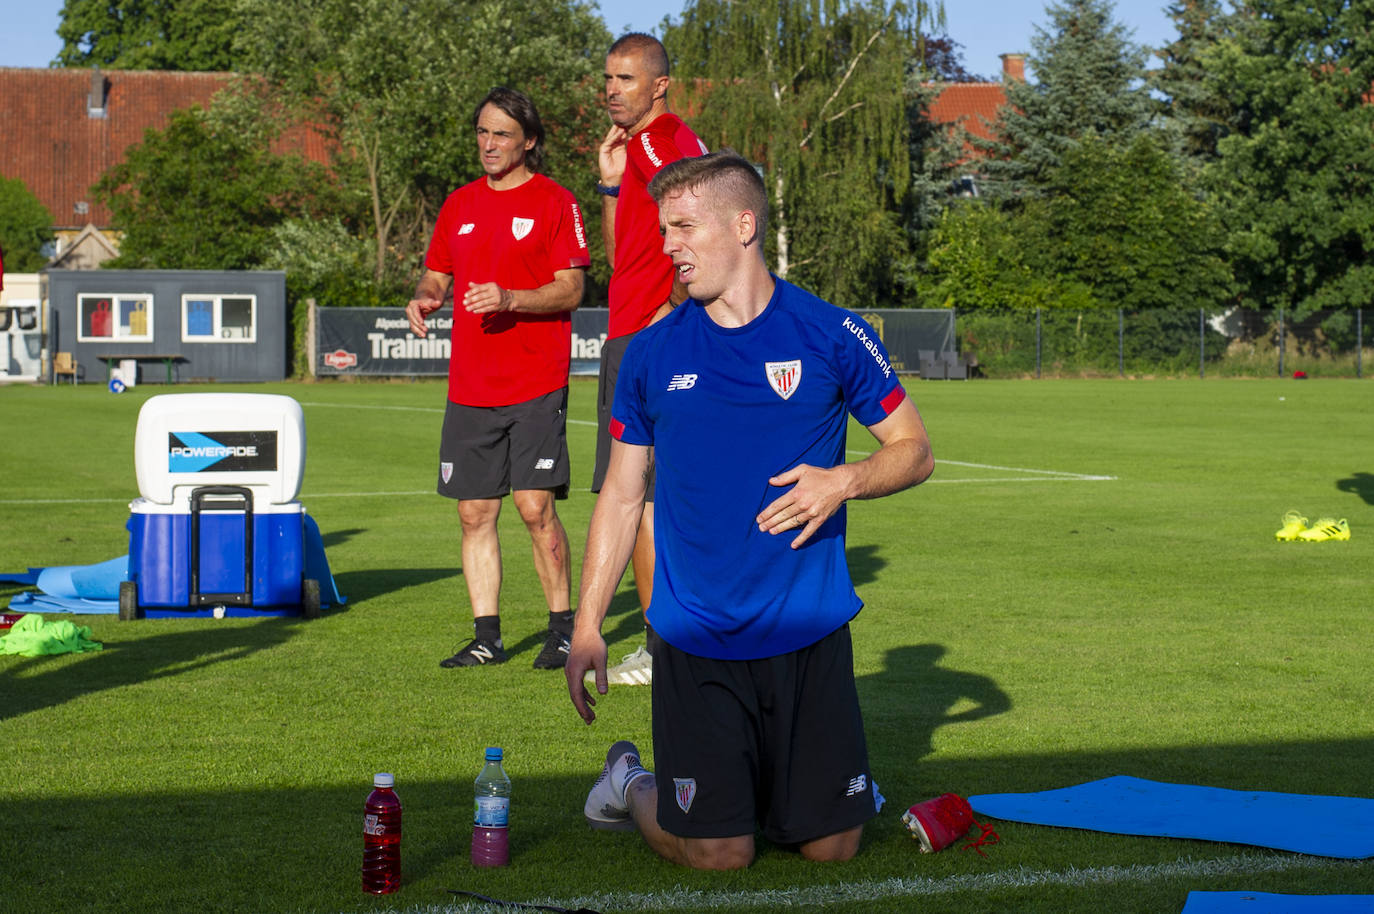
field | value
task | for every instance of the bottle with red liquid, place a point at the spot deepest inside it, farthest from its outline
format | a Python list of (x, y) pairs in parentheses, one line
[(382, 838), (491, 813), (8, 619)]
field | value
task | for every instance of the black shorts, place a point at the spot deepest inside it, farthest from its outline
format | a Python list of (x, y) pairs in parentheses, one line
[(611, 354), (776, 743), (486, 451)]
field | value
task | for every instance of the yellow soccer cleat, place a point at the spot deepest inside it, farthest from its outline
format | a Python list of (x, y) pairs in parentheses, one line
[(1293, 526), (1326, 529)]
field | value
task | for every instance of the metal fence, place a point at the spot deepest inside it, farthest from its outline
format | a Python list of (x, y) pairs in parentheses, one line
[(1164, 341)]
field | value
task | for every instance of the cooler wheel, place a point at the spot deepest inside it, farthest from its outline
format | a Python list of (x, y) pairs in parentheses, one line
[(310, 599), (128, 602)]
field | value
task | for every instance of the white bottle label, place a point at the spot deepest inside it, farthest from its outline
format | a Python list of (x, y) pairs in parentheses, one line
[(491, 812)]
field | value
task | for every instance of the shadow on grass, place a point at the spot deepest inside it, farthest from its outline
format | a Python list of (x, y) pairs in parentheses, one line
[(298, 848), (864, 564), (913, 696), (1361, 484), (43, 682), (375, 582), (338, 537)]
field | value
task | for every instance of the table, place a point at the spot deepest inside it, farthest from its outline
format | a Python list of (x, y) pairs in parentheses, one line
[(167, 358)]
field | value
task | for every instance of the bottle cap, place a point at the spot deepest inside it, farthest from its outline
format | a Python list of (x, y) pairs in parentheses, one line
[(383, 779), (493, 753)]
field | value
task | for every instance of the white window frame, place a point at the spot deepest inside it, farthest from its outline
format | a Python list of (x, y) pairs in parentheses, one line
[(218, 330), (118, 332)]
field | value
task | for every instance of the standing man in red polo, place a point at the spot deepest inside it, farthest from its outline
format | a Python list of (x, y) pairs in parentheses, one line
[(513, 247), (644, 137)]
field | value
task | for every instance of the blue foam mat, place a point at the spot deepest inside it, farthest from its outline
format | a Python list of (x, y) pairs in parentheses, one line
[(94, 589), (1265, 903), (1325, 826)]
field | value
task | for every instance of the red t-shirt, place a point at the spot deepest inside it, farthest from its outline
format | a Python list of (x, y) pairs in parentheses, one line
[(643, 274), (518, 239)]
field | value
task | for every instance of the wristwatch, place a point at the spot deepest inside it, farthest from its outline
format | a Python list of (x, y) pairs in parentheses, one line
[(607, 189)]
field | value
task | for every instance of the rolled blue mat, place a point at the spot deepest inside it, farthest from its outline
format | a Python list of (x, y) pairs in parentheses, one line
[(1326, 826), (1265, 903), (85, 582)]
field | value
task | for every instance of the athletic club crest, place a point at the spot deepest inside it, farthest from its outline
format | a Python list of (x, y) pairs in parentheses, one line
[(783, 377), (686, 790), (520, 227), (446, 471)]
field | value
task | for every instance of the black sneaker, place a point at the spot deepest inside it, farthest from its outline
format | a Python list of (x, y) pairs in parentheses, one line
[(476, 653), (554, 656)]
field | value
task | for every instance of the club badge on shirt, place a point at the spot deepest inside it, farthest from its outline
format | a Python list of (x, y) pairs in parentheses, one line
[(520, 227), (784, 377)]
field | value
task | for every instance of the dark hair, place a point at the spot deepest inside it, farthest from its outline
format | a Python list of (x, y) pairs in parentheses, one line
[(518, 107), (726, 172), (649, 47)]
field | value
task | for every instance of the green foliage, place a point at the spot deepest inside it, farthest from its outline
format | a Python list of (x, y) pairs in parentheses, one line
[(1117, 217), (394, 86), (147, 35), (1293, 180), (805, 89), (206, 193), (983, 256), (1088, 81), (25, 226), (1192, 108)]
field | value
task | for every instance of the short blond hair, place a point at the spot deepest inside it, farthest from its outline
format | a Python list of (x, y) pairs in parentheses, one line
[(727, 175)]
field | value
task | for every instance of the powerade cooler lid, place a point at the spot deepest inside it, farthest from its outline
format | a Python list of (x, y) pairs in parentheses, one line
[(184, 441)]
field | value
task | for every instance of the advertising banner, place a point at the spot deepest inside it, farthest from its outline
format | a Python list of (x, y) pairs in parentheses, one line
[(377, 342)]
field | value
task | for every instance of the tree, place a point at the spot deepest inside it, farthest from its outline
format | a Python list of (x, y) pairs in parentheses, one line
[(206, 192), (986, 257), (1089, 81), (394, 86), (1191, 105), (25, 227), (1293, 177), (149, 34), (804, 88), (1118, 218)]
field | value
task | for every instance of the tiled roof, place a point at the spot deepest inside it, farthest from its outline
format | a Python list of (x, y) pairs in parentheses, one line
[(971, 105), (50, 140)]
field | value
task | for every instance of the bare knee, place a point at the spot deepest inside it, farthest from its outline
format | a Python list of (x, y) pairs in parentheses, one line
[(833, 848), (718, 853), (536, 508)]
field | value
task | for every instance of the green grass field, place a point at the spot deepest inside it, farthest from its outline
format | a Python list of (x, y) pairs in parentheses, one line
[(1088, 586)]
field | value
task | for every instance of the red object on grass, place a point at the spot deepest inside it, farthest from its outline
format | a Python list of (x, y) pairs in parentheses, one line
[(1299, 375)]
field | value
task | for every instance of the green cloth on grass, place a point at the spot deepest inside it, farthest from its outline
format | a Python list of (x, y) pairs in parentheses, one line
[(32, 637)]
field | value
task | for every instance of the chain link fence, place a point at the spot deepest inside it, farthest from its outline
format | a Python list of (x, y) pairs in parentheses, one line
[(1165, 342)]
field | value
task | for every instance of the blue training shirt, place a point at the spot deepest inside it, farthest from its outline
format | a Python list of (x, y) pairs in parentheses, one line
[(725, 409)]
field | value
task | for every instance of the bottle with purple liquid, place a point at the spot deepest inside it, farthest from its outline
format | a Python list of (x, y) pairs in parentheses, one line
[(491, 813), (382, 838)]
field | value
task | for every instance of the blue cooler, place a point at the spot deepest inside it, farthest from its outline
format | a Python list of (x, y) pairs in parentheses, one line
[(216, 529)]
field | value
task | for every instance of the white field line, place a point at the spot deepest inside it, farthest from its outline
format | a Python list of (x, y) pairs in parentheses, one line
[(1186, 868), (1031, 475)]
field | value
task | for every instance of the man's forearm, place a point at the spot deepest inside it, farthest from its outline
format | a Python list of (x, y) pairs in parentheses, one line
[(563, 294)]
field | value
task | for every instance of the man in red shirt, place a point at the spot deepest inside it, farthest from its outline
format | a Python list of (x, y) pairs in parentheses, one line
[(644, 137), (513, 247)]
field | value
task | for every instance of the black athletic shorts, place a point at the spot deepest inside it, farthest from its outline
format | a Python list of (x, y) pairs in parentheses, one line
[(486, 451), (611, 354), (776, 743)]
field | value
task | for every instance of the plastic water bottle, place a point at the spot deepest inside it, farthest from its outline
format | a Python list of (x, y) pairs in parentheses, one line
[(491, 813), (382, 838)]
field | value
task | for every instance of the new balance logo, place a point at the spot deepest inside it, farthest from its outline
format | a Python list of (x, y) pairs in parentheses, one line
[(466, 228), (483, 653), (544, 463), (857, 785), (682, 382)]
